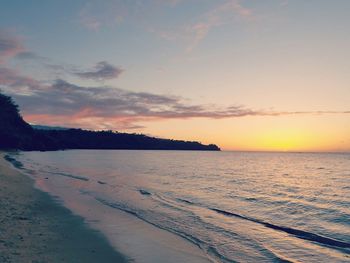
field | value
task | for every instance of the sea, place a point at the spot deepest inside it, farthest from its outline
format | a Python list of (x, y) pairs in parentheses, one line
[(233, 206)]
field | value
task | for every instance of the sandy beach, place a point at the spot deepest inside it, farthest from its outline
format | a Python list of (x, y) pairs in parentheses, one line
[(35, 228), (44, 221)]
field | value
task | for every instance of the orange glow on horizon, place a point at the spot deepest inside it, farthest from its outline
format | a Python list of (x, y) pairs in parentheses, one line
[(290, 133), (289, 141), (282, 134)]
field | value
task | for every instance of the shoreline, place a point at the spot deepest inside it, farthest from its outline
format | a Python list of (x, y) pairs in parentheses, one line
[(71, 227), (34, 227)]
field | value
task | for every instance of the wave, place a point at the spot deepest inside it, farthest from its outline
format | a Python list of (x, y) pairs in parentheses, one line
[(293, 231), (129, 210), (185, 201), (144, 192), (13, 161), (68, 175), (17, 164), (192, 212), (208, 248)]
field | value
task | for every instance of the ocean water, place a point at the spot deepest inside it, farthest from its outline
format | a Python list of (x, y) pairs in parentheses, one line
[(235, 206)]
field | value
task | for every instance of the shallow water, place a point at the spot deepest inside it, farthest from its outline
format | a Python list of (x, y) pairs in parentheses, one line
[(245, 207)]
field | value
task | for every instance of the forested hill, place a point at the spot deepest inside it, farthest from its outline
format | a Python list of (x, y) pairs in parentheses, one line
[(15, 133)]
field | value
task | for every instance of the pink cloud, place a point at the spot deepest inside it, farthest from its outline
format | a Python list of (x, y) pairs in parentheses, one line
[(66, 104), (193, 33), (9, 46), (220, 15), (14, 82)]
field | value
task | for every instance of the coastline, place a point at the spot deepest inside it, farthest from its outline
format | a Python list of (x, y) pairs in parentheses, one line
[(36, 228), (54, 222)]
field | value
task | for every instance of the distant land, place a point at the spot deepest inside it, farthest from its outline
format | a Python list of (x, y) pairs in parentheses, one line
[(15, 133), (44, 127)]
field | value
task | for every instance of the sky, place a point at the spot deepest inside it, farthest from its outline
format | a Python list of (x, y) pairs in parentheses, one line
[(255, 75)]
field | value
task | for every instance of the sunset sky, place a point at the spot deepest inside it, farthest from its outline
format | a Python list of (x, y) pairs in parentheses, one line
[(243, 74)]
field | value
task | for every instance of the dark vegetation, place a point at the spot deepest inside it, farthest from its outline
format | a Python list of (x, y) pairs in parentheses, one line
[(15, 133)]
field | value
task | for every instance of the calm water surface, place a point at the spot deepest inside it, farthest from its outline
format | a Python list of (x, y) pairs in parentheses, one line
[(237, 207)]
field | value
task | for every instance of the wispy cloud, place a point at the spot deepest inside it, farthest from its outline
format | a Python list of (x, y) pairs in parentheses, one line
[(225, 13), (284, 3), (103, 107), (14, 82), (194, 31), (96, 14), (102, 71), (9, 46), (59, 102)]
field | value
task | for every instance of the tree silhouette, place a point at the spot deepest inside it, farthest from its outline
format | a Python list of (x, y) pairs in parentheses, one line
[(15, 133)]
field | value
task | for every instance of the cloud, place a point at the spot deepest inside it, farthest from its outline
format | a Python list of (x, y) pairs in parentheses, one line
[(28, 55), (10, 79), (227, 12), (14, 82), (100, 14), (102, 107), (62, 103), (96, 14), (284, 3), (9, 46), (102, 71), (220, 15)]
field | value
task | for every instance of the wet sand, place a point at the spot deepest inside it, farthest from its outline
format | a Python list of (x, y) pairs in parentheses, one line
[(34, 227)]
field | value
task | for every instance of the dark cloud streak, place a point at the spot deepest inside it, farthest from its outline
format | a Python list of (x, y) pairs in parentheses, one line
[(107, 107), (102, 71)]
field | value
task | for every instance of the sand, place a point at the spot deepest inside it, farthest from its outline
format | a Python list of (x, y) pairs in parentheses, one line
[(34, 227)]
